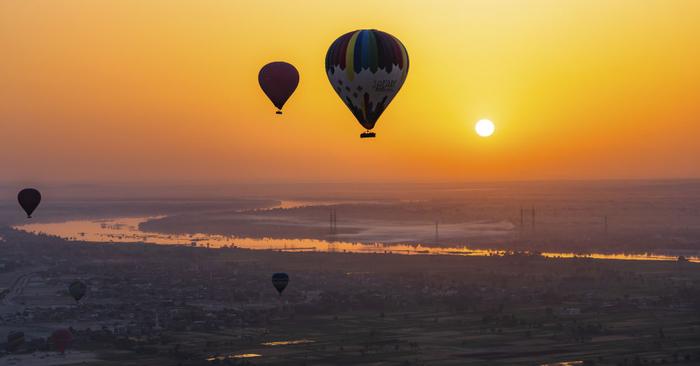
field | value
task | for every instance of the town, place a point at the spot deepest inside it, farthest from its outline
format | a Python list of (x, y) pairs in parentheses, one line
[(186, 305)]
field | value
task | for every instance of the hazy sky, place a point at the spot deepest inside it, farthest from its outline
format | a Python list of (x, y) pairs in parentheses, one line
[(145, 90)]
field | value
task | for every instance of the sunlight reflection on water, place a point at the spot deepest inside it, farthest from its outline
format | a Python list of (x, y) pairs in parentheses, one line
[(287, 343), (242, 355), (125, 230)]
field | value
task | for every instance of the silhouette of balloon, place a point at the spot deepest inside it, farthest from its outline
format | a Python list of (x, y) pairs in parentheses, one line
[(278, 80), (29, 199), (280, 281), (61, 339), (367, 69), (77, 289)]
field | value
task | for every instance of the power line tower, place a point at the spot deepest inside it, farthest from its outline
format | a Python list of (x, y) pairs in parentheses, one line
[(333, 222), (522, 217), (437, 235), (522, 220), (605, 224)]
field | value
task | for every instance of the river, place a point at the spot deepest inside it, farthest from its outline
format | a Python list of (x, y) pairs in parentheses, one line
[(126, 230)]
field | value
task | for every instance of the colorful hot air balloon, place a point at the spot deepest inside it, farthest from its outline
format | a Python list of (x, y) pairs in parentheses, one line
[(280, 281), (29, 199), (77, 289), (367, 68), (61, 339), (278, 80)]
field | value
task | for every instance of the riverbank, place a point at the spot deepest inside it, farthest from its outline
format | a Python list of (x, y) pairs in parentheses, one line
[(127, 230)]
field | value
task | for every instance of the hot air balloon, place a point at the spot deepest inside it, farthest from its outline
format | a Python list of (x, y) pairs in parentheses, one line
[(367, 68), (29, 199), (278, 80), (61, 339), (14, 341), (280, 281), (77, 289)]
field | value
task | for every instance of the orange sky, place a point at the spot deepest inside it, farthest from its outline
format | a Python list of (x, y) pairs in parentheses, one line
[(146, 90)]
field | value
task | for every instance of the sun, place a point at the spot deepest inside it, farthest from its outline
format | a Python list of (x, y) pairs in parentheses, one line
[(484, 128)]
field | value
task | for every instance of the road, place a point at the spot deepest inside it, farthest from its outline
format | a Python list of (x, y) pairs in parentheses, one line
[(17, 289)]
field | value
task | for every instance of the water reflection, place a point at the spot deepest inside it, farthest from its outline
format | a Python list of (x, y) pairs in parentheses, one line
[(287, 204), (125, 230), (287, 343), (232, 356)]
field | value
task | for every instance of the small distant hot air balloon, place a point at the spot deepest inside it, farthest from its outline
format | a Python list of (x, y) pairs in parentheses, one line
[(280, 281), (14, 341), (29, 199), (61, 339), (278, 80), (77, 289), (367, 69)]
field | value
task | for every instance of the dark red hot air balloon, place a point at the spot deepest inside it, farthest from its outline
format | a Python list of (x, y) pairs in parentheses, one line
[(278, 80), (29, 199), (61, 339)]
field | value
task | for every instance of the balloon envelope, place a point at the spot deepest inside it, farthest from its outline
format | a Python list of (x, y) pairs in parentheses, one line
[(29, 199), (77, 289), (280, 281), (278, 80), (367, 69), (61, 338)]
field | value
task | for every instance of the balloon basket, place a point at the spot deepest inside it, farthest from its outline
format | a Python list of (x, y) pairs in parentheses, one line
[(367, 134), (278, 112)]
